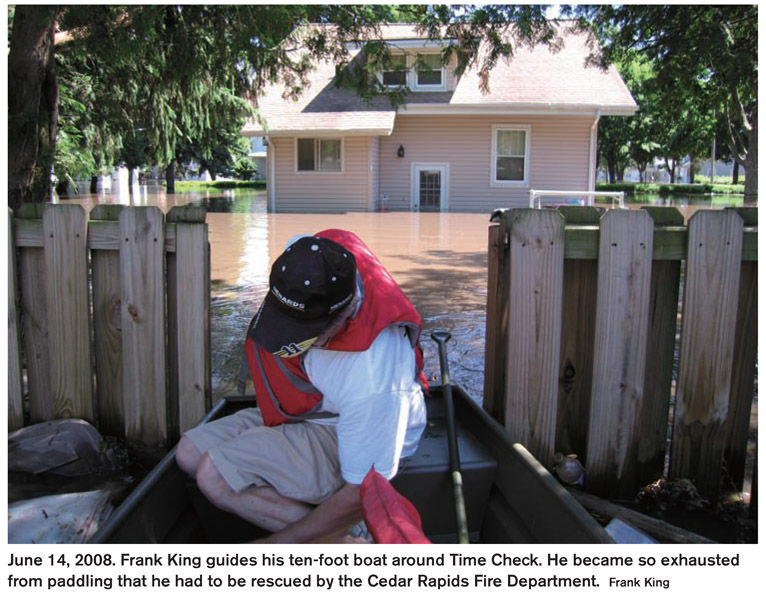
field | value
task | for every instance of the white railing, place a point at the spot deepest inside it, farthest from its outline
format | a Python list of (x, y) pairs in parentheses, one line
[(618, 197)]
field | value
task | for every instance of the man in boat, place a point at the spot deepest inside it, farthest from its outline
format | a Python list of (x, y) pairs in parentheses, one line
[(337, 370)]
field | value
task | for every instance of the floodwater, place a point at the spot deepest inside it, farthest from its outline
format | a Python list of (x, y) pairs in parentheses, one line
[(439, 260)]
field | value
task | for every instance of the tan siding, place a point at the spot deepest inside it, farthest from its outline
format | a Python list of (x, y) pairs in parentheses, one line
[(348, 190), (559, 157)]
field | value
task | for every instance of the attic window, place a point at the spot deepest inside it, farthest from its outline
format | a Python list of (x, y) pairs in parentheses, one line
[(396, 74), (429, 72), (318, 155)]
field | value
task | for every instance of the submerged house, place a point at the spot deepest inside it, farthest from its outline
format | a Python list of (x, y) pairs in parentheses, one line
[(450, 147)]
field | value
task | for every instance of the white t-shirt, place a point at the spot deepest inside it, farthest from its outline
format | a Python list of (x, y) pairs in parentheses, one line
[(380, 405)]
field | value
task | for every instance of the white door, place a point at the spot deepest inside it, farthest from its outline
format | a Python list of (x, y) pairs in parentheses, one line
[(429, 186)]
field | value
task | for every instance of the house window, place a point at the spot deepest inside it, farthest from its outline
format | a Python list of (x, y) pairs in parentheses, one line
[(322, 155), (395, 75), (510, 155), (429, 72)]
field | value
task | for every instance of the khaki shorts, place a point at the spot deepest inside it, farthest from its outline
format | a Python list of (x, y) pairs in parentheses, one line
[(299, 460)]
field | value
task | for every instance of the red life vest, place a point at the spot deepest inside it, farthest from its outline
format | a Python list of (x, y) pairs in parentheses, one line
[(282, 387)]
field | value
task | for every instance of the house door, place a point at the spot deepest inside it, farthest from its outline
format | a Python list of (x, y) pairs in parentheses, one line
[(429, 187)]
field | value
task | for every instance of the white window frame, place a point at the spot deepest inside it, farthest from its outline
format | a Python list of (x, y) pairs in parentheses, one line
[(411, 75), (415, 86), (493, 167), (317, 159), (406, 72)]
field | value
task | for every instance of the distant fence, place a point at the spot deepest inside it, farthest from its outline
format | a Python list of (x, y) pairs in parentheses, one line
[(109, 319), (583, 312)]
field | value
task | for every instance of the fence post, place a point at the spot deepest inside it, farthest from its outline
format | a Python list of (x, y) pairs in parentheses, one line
[(65, 241), (107, 327), (707, 346), (534, 329), (624, 276), (496, 329), (15, 387), (142, 263), (188, 318)]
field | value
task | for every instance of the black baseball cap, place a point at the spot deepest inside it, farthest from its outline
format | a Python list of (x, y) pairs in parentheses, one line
[(313, 280)]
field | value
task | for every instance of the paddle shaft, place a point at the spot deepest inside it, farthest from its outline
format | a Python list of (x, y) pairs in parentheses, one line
[(441, 339)]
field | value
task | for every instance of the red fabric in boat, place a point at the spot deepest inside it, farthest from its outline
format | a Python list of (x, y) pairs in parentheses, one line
[(390, 517)]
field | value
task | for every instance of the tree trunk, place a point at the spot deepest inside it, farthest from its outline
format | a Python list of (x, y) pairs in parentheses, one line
[(751, 161), (170, 177), (62, 187), (735, 173), (32, 104), (690, 180), (94, 184), (610, 169)]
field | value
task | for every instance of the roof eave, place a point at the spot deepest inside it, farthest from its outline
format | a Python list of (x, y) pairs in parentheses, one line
[(522, 109), (322, 132)]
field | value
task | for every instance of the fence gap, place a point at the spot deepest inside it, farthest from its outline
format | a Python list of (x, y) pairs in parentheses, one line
[(577, 338), (654, 420), (744, 362), (107, 326)]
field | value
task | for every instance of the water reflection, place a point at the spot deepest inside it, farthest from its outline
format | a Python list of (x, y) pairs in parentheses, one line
[(439, 260)]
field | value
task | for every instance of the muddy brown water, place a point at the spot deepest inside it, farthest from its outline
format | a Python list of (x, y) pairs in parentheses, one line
[(439, 260)]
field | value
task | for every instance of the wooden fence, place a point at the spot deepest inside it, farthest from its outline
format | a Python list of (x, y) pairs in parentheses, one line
[(109, 319), (582, 350)]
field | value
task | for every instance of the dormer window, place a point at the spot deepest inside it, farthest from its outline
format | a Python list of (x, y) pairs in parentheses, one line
[(422, 71), (396, 74), (429, 72)]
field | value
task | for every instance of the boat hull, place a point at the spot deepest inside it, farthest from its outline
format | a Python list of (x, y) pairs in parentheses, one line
[(510, 497)]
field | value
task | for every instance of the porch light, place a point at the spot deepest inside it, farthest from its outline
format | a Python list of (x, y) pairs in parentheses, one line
[(400, 151)]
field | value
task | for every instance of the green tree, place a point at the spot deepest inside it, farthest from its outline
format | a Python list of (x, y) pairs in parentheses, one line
[(160, 61), (614, 146), (705, 56)]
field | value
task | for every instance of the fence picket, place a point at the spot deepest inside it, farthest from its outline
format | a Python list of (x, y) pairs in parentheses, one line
[(66, 274), (625, 265), (534, 336), (142, 260), (32, 288), (189, 343), (707, 346)]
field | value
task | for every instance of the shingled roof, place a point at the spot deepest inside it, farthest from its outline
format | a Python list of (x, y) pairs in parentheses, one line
[(533, 80)]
